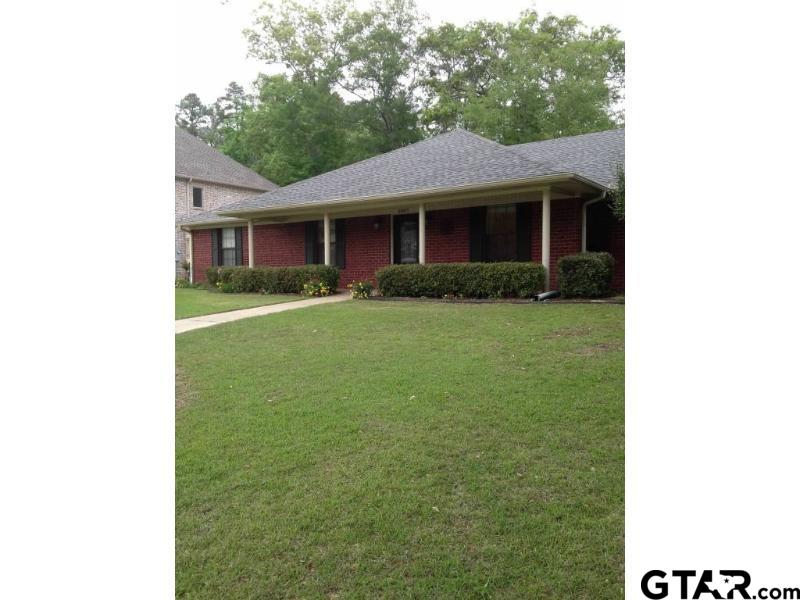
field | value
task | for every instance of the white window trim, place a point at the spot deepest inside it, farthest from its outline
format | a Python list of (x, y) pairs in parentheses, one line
[(223, 248)]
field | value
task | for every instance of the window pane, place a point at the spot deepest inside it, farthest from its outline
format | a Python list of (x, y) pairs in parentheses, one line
[(409, 242), (229, 257), (197, 197), (228, 238), (501, 232)]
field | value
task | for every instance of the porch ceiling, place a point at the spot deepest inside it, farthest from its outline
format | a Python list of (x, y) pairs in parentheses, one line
[(560, 188)]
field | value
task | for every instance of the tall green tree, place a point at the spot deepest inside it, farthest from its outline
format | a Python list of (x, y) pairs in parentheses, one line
[(360, 82), (458, 64), (380, 70), (367, 57), (523, 81), (296, 130), (192, 115), (227, 114)]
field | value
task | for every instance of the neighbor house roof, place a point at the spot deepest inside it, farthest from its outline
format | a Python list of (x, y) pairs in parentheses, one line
[(594, 156), (196, 159)]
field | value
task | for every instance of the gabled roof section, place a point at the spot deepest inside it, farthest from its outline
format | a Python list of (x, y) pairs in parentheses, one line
[(450, 160), (594, 156), (196, 159)]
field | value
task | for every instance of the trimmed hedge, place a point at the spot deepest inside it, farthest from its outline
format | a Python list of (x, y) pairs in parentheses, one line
[(271, 280), (585, 275), (467, 280)]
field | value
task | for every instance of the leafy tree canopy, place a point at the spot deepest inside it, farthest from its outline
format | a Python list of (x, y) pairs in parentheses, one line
[(362, 82)]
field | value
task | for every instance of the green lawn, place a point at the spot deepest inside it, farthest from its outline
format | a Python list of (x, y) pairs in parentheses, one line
[(403, 450), (191, 302)]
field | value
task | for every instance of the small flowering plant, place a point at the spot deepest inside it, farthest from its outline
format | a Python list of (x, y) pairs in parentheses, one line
[(224, 287), (316, 289), (360, 289)]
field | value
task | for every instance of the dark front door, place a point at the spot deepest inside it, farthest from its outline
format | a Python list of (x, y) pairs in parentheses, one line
[(406, 239)]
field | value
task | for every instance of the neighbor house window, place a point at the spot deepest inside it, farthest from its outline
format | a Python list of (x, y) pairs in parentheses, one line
[(229, 247), (501, 232), (197, 197)]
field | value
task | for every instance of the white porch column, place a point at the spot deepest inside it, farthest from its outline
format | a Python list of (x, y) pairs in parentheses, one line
[(251, 247), (546, 236), (326, 228), (422, 234), (190, 255)]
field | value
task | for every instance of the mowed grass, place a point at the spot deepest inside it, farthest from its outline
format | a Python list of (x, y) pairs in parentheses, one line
[(190, 302), (403, 450)]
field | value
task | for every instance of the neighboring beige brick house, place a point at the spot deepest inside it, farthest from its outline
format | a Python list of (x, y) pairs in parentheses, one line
[(205, 180)]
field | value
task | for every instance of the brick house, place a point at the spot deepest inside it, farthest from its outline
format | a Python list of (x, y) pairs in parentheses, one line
[(206, 180), (456, 197)]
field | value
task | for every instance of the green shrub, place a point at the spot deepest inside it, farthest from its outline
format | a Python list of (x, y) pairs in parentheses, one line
[(467, 280), (585, 275), (271, 280), (185, 283)]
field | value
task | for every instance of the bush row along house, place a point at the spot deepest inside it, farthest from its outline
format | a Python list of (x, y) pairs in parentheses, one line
[(455, 197)]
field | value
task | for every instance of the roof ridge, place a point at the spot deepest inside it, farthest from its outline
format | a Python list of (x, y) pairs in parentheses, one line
[(510, 148), (240, 175), (568, 137), (368, 159)]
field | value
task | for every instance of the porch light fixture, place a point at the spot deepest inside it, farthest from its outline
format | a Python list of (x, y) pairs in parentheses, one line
[(376, 223)]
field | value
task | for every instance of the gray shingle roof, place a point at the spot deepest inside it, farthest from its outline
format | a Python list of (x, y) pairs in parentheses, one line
[(454, 159), (203, 217), (594, 156), (194, 158)]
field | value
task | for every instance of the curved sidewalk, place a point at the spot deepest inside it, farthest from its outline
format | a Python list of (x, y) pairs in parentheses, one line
[(192, 323)]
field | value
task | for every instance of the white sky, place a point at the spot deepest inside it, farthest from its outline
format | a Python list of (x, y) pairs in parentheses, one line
[(211, 50)]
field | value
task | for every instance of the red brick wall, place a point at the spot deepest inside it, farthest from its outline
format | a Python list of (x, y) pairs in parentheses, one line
[(565, 238), (565, 233), (201, 250), (447, 236), (201, 253), (366, 248), (280, 245)]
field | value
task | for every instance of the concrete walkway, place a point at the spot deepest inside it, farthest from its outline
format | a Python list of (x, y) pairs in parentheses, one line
[(184, 325)]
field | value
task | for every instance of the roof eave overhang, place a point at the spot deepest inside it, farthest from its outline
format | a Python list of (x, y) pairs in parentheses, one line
[(392, 200), (259, 189), (212, 224)]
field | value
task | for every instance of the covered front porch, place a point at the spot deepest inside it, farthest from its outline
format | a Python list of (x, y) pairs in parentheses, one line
[(538, 223)]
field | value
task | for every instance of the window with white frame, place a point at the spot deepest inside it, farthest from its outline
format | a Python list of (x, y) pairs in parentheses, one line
[(229, 247)]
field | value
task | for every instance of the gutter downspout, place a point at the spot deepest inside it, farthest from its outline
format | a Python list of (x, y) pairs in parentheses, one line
[(583, 217)]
